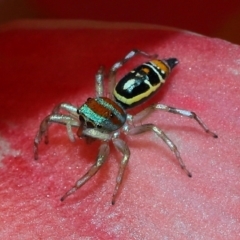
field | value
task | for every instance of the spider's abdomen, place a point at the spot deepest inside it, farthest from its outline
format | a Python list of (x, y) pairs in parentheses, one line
[(102, 113), (142, 82)]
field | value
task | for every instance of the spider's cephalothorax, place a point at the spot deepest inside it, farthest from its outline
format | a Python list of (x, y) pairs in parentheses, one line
[(103, 113), (105, 118)]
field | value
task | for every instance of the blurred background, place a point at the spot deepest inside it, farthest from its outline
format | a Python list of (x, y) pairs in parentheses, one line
[(215, 18)]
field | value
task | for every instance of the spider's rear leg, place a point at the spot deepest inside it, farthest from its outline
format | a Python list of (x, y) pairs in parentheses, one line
[(123, 148), (102, 155), (43, 129), (119, 64), (138, 117), (164, 137)]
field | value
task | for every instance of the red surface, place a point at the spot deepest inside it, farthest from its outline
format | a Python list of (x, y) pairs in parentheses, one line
[(42, 67)]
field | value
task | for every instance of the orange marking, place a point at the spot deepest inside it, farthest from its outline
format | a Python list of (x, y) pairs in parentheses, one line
[(146, 70), (161, 65), (113, 117), (98, 108)]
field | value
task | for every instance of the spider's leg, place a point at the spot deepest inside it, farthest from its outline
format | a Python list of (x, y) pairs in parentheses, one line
[(102, 155), (181, 112), (99, 86), (43, 129), (123, 148), (69, 108), (164, 137), (119, 64), (72, 110)]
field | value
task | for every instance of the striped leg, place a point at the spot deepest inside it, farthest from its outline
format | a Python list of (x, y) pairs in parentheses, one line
[(164, 137), (102, 155), (69, 108), (72, 110), (122, 147), (138, 117), (43, 129)]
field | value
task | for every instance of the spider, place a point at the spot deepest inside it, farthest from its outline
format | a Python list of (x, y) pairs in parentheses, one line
[(105, 117)]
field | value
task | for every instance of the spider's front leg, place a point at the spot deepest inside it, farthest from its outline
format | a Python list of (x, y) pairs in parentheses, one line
[(123, 148), (55, 117), (69, 108), (119, 64), (120, 145), (72, 110), (151, 127), (102, 156)]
